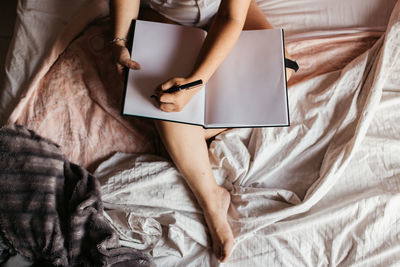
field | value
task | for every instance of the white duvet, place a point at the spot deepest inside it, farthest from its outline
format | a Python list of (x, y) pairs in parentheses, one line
[(323, 192)]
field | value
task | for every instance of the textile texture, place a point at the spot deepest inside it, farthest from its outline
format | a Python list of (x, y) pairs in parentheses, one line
[(323, 192), (77, 104), (50, 210)]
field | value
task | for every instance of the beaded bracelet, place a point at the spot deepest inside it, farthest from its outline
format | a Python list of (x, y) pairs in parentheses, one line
[(116, 39)]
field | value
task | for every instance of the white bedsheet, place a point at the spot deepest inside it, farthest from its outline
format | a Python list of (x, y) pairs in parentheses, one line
[(315, 15), (323, 192)]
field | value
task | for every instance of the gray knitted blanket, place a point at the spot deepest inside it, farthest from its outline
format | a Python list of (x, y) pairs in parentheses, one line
[(50, 209)]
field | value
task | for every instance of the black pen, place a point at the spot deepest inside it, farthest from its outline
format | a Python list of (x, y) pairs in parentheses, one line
[(185, 86)]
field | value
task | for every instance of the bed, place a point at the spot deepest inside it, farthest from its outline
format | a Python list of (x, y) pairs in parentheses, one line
[(323, 192)]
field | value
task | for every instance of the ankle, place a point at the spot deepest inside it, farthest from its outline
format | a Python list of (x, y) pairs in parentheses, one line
[(214, 199)]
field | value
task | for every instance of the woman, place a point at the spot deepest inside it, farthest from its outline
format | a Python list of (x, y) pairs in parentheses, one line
[(186, 144)]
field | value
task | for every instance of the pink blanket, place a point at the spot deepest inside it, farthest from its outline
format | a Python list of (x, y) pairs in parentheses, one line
[(77, 100), (77, 103)]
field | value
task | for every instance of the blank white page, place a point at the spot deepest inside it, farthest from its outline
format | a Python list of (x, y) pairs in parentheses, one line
[(249, 87), (163, 51)]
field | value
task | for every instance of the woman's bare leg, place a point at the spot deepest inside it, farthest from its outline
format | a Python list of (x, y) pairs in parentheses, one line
[(186, 144)]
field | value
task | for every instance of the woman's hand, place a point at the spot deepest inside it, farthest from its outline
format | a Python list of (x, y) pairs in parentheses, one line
[(122, 57), (175, 102)]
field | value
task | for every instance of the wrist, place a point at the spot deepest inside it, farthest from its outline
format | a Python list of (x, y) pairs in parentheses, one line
[(197, 76), (119, 41)]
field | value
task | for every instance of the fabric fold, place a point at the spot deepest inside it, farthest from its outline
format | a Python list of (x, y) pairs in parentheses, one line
[(51, 210)]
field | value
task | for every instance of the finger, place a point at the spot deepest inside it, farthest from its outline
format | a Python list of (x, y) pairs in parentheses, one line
[(167, 98), (167, 107), (168, 84), (171, 107), (130, 64)]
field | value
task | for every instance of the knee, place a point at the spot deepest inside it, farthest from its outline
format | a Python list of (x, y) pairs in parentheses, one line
[(168, 129)]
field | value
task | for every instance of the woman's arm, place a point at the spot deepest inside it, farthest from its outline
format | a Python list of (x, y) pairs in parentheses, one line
[(221, 37), (220, 40), (123, 12)]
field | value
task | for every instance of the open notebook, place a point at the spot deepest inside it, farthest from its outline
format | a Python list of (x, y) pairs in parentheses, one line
[(247, 90)]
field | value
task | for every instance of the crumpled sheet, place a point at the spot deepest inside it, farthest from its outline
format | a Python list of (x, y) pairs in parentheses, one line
[(51, 211), (38, 33), (323, 192), (76, 102)]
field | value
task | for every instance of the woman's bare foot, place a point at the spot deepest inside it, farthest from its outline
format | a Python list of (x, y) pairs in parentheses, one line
[(215, 214)]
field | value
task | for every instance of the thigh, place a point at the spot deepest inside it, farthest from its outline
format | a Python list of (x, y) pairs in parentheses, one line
[(180, 130), (255, 19), (210, 133), (146, 13)]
